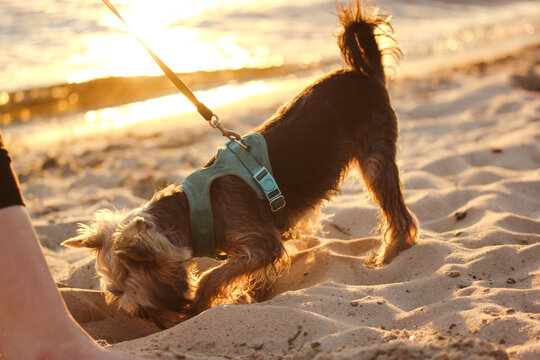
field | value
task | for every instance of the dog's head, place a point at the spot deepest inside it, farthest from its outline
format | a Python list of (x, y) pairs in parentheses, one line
[(141, 271)]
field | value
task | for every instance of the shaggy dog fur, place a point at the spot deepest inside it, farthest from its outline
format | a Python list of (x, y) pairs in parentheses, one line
[(345, 118)]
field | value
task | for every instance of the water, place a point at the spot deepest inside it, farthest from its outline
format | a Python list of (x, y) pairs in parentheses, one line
[(48, 42)]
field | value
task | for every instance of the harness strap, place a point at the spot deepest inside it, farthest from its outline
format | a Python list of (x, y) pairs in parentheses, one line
[(252, 166), (264, 178)]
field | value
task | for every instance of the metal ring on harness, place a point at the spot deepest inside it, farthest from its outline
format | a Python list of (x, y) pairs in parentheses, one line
[(231, 135)]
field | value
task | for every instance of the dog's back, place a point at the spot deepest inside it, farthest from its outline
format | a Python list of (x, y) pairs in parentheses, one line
[(321, 130), (342, 119)]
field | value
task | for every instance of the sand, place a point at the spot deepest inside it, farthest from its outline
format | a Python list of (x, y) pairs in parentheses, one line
[(470, 289)]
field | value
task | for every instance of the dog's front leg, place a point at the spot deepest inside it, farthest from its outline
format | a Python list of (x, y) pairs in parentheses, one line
[(254, 261)]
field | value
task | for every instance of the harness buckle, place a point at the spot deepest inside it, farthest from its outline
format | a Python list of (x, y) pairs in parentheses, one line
[(279, 205)]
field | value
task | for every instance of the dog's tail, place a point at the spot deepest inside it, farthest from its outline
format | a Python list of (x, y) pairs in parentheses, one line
[(366, 39)]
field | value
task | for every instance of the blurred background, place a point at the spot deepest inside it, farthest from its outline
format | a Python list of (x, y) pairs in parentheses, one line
[(73, 62)]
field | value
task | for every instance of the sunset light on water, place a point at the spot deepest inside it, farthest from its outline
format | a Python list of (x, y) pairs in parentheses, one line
[(111, 118), (161, 26), (88, 60)]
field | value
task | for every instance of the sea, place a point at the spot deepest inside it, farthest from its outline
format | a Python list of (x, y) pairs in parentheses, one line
[(73, 64)]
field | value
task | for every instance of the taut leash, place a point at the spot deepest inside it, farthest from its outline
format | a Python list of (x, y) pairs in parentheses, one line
[(205, 112)]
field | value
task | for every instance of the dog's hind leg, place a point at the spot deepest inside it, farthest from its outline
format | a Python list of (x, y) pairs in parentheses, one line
[(381, 175), (246, 276)]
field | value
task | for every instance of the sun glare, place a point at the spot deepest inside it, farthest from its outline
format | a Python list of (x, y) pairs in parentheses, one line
[(111, 118), (160, 25)]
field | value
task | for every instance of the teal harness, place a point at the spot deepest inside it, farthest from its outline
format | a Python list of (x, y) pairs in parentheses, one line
[(252, 166)]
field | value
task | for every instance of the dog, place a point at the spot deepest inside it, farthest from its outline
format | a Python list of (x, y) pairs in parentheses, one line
[(344, 119)]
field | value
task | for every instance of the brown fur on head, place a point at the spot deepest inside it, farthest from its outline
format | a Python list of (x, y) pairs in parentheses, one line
[(141, 271), (343, 119)]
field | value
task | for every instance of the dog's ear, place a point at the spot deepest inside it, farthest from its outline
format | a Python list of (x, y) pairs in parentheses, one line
[(88, 237), (135, 241), (95, 235), (84, 241), (141, 241)]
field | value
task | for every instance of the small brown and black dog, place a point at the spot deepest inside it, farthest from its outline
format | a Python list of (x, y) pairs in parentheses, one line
[(145, 257)]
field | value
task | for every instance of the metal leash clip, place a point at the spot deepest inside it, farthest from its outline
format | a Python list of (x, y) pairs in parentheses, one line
[(231, 135)]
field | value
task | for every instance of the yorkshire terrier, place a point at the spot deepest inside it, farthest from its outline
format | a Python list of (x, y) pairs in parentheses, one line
[(145, 257)]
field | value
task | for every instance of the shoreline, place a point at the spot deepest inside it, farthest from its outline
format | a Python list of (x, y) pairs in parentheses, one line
[(71, 98), (60, 100), (175, 112)]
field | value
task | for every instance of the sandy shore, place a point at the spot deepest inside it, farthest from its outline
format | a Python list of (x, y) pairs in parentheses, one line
[(470, 289)]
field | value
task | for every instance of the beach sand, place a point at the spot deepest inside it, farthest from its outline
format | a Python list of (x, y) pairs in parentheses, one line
[(469, 155)]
